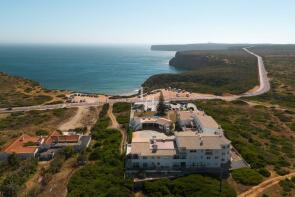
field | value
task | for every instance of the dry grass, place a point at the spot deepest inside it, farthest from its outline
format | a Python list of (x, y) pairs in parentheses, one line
[(17, 91), (12, 125)]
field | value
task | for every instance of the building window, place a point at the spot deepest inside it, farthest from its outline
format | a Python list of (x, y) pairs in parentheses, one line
[(216, 157), (144, 157), (175, 157), (208, 152), (136, 165), (208, 158), (193, 151)]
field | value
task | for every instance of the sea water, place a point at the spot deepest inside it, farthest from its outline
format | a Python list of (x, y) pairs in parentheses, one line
[(108, 69)]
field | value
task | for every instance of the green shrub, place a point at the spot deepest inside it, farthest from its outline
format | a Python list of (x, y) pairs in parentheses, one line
[(247, 176), (281, 171), (12, 183), (287, 185), (192, 185), (30, 143), (121, 107), (123, 119), (104, 111), (264, 172), (104, 176), (42, 132)]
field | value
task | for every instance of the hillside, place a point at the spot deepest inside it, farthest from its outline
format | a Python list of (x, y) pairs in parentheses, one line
[(17, 91), (199, 46), (215, 72)]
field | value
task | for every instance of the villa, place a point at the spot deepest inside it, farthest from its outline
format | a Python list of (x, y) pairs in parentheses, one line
[(26, 146), (56, 140)]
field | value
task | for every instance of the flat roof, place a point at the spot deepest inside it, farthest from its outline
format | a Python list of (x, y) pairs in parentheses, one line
[(191, 140), (145, 149), (141, 143), (186, 114), (146, 135), (207, 121)]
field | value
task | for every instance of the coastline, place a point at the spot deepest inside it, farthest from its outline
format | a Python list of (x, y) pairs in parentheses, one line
[(109, 70)]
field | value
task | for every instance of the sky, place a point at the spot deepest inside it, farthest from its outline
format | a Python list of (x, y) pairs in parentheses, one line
[(147, 21)]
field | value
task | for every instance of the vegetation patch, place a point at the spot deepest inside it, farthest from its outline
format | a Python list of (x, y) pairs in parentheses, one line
[(288, 186), (38, 123), (264, 172), (17, 91), (247, 176), (192, 185), (121, 111), (121, 107), (217, 72), (103, 121), (279, 62), (256, 132), (105, 176), (15, 173)]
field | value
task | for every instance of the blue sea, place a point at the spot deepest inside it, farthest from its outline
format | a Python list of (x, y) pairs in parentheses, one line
[(110, 69)]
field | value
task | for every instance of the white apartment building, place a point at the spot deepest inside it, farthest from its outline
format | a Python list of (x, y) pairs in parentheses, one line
[(199, 147), (161, 124), (186, 151), (198, 120)]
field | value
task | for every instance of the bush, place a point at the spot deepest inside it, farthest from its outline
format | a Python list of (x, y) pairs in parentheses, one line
[(68, 152), (123, 119), (29, 143), (247, 176), (264, 172), (56, 164), (13, 160), (281, 171), (192, 185), (104, 176), (14, 181), (121, 107), (42, 132), (287, 185), (104, 111)]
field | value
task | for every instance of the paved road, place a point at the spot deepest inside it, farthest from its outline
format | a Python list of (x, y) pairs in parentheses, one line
[(264, 87)]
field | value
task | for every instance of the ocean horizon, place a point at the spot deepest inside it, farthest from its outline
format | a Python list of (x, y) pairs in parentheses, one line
[(105, 69)]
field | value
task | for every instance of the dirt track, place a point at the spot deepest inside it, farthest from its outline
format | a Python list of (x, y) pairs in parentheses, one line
[(257, 190), (84, 117), (116, 125)]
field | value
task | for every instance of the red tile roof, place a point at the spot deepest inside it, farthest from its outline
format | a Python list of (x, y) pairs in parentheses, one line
[(55, 137), (18, 146)]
